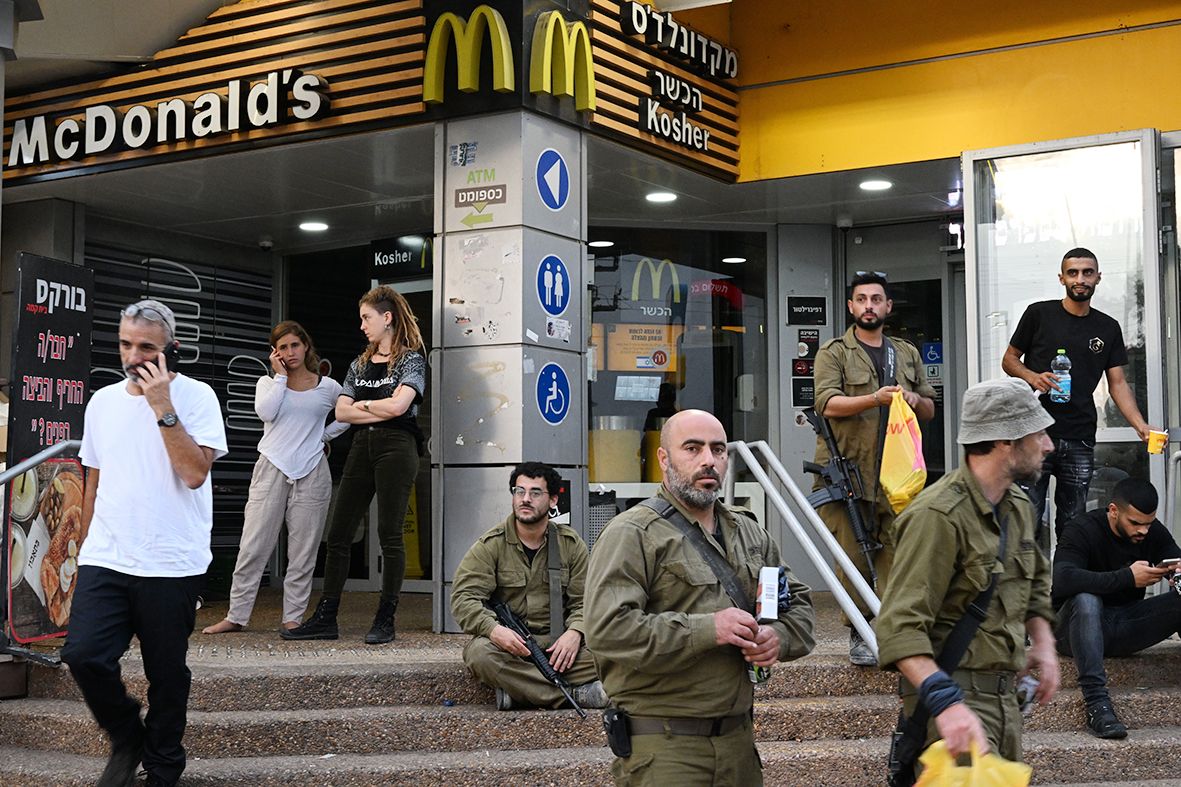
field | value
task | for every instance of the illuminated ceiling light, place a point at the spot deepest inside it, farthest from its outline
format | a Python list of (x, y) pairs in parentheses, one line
[(661, 196), (733, 260), (313, 226), (601, 244), (876, 185)]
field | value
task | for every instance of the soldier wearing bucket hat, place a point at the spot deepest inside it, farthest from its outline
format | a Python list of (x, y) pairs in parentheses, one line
[(949, 541)]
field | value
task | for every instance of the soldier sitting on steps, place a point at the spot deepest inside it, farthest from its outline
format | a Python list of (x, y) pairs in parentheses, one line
[(512, 562)]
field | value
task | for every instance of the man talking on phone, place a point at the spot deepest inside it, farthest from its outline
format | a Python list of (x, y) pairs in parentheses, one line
[(1105, 560), (148, 444)]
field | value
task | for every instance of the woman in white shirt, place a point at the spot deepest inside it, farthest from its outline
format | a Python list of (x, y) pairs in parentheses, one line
[(291, 480)]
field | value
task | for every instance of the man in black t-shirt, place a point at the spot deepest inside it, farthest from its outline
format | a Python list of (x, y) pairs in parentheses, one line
[(1094, 344), (1104, 562)]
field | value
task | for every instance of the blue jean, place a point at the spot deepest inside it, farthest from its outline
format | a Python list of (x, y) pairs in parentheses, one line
[(1072, 463), (1088, 630), (109, 607)]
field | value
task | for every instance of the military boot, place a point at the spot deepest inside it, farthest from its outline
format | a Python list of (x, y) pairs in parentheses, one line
[(382, 630), (321, 625)]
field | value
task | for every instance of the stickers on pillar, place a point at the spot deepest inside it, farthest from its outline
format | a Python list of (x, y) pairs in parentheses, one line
[(553, 393), (553, 179)]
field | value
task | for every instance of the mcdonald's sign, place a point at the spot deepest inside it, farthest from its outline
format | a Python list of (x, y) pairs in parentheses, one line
[(562, 55), (655, 273), (468, 40)]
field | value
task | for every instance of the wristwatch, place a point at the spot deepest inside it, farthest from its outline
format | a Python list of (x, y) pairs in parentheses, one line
[(168, 419)]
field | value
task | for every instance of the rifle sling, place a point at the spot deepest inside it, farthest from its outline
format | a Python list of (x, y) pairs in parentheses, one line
[(714, 559), (556, 618), (956, 645)]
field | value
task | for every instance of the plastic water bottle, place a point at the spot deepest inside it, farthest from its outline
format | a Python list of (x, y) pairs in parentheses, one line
[(1060, 366)]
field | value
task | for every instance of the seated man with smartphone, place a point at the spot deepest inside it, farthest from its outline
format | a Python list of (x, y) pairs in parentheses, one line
[(1105, 560)]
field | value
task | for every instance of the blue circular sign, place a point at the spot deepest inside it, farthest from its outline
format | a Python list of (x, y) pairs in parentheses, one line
[(553, 393), (553, 179), (553, 285)]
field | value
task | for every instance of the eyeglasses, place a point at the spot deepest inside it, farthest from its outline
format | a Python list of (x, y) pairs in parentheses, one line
[(533, 494), (882, 274)]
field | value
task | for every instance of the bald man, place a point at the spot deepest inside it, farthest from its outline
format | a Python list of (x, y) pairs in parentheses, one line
[(671, 646)]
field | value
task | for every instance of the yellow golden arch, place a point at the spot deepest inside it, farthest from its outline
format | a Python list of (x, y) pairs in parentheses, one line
[(655, 273), (468, 40), (562, 54)]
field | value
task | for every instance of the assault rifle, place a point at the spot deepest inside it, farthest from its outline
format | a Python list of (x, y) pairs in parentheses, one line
[(509, 619), (842, 483)]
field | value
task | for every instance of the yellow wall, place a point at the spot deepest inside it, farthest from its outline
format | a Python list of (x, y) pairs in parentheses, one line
[(1038, 88)]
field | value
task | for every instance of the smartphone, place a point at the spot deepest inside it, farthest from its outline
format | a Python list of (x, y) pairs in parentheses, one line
[(1169, 562), (171, 355)]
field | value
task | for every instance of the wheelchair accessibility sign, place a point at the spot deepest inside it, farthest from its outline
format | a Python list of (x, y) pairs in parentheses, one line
[(553, 393)]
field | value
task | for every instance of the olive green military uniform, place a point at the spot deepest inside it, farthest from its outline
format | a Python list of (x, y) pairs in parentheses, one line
[(843, 368), (947, 553), (496, 565), (651, 598)]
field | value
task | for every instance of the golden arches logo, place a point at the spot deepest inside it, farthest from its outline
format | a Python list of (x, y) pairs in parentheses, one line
[(562, 63), (468, 40), (655, 273)]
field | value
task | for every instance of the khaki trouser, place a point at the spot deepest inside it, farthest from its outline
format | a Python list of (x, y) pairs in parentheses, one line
[(837, 519), (274, 497), (729, 760), (999, 713), (519, 678)]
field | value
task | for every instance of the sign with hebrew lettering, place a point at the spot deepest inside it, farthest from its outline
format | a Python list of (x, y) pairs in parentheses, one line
[(50, 386)]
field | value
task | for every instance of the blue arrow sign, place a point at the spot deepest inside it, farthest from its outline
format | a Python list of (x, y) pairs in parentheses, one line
[(553, 179), (553, 393), (553, 285)]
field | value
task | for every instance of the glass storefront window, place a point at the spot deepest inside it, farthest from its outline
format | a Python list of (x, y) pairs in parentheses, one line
[(1030, 210), (674, 327)]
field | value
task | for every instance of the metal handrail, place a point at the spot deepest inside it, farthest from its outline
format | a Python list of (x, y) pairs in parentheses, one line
[(6, 646), (844, 600), (37, 458), (1171, 490)]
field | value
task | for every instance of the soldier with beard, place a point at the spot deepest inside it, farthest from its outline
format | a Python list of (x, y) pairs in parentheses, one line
[(856, 375), (671, 646), (1095, 345), (510, 563)]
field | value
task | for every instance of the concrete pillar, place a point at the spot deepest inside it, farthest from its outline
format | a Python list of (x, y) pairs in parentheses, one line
[(508, 362)]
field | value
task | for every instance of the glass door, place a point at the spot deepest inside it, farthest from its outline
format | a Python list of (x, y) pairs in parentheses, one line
[(1025, 206)]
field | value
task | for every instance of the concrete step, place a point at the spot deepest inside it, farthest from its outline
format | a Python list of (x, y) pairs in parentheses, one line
[(1057, 758), (66, 725), (328, 677)]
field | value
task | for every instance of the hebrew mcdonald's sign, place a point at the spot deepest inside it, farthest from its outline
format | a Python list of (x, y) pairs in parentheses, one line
[(655, 273), (468, 38), (562, 55)]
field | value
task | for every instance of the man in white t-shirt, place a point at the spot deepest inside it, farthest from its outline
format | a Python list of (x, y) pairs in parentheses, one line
[(148, 444)]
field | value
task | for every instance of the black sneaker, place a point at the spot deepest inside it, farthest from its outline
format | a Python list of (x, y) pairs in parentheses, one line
[(123, 763), (1103, 723), (321, 625), (383, 623)]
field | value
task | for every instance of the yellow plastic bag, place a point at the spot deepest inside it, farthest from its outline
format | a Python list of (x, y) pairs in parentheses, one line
[(988, 770), (904, 471)]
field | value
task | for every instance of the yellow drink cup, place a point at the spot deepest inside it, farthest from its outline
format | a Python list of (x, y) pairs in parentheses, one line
[(1157, 441)]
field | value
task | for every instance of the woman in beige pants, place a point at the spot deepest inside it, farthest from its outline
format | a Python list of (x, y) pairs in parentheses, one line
[(291, 481)]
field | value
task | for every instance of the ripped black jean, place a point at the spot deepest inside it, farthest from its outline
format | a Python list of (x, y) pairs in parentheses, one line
[(1072, 463)]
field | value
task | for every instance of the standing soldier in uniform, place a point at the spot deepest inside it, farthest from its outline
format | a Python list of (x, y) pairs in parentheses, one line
[(856, 376), (949, 540), (510, 563), (671, 647)]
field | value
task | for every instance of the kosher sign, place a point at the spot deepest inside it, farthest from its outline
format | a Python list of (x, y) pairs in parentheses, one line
[(668, 111), (404, 257), (50, 386)]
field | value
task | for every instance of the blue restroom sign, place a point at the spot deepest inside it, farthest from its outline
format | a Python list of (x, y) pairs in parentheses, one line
[(553, 285), (553, 393), (553, 179)]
